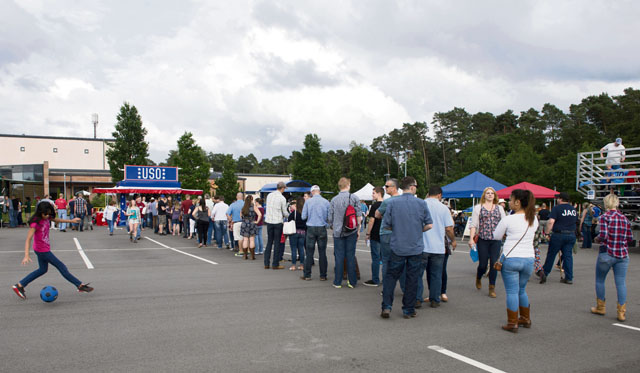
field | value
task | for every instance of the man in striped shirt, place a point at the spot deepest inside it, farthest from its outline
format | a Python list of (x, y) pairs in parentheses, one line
[(80, 210)]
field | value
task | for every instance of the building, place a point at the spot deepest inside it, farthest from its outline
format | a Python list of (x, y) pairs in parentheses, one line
[(33, 166)]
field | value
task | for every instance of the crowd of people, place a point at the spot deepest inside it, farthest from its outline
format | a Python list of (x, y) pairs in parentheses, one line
[(408, 238)]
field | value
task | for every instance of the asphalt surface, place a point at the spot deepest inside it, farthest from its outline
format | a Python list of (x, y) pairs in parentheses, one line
[(157, 309)]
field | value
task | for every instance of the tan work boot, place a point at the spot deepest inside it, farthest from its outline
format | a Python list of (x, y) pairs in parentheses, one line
[(478, 283), (622, 310), (525, 318), (512, 321), (599, 309), (492, 291)]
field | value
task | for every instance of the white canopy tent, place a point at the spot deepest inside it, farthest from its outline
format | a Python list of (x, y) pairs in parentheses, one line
[(365, 193)]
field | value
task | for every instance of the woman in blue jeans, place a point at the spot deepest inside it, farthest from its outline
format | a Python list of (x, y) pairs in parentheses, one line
[(518, 256), (615, 235), (585, 225)]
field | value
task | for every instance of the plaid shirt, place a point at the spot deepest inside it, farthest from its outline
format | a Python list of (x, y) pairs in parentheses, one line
[(615, 233), (81, 206)]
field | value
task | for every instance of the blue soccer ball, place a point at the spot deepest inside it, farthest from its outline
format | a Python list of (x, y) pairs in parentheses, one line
[(49, 294)]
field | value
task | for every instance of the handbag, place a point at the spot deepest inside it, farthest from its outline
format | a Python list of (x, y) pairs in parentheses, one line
[(289, 227), (498, 265)]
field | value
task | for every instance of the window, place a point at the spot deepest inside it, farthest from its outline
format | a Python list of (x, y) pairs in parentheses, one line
[(86, 151), (22, 148), (55, 150)]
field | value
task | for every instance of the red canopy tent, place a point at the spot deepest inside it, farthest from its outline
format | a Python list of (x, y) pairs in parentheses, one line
[(538, 191)]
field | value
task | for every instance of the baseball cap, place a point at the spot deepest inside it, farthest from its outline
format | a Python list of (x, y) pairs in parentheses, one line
[(501, 200), (619, 141), (315, 187), (563, 196), (162, 196)]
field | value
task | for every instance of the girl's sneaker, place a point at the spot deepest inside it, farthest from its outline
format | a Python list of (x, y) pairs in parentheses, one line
[(85, 288), (19, 291)]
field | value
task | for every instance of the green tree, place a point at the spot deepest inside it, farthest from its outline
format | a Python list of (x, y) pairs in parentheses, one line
[(310, 164), (359, 174), (216, 160), (246, 164), (129, 147), (193, 164), (228, 183)]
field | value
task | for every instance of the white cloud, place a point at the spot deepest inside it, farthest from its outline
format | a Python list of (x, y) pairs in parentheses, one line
[(253, 76)]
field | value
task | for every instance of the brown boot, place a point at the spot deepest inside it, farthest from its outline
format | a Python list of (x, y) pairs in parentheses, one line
[(478, 283), (524, 319), (245, 252), (599, 309), (253, 253), (492, 291), (622, 309), (512, 321)]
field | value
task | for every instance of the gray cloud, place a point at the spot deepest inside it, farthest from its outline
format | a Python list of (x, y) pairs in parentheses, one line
[(256, 76)]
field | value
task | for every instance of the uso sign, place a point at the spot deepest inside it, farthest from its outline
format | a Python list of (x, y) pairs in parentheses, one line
[(150, 173)]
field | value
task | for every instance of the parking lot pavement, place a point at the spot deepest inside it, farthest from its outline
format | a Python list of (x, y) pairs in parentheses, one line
[(163, 304)]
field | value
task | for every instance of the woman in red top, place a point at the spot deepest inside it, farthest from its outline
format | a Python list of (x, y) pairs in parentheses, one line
[(39, 232), (615, 235)]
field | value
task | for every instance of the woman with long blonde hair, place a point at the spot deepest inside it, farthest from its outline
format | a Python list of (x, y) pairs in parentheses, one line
[(484, 220)]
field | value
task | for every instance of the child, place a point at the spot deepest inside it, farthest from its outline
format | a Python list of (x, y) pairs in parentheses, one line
[(39, 226), (175, 218), (133, 213)]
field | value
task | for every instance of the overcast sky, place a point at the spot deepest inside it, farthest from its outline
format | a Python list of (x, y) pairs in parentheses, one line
[(256, 76)]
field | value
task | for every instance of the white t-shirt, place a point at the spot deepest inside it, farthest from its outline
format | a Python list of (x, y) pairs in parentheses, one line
[(515, 226), (108, 212), (614, 153), (219, 211)]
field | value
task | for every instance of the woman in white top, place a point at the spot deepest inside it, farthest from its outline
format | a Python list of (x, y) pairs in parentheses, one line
[(484, 220), (518, 256), (108, 215)]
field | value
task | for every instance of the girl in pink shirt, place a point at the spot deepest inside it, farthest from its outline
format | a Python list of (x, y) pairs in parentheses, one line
[(39, 230)]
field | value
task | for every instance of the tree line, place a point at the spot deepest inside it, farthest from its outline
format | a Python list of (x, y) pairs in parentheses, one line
[(538, 146)]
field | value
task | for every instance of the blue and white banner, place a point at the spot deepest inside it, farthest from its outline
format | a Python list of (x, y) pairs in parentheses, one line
[(150, 173)]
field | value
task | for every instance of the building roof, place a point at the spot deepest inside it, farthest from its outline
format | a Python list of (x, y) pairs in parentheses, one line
[(60, 171), (56, 137)]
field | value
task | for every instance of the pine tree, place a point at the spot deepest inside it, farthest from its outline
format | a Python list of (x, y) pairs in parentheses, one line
[(228, 183), (193, 163), (129, 147), (310, 164)]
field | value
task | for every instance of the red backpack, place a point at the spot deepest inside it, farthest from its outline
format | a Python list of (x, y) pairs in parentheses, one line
[(350, 221)]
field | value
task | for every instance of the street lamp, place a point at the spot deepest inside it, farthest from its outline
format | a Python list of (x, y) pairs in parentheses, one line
[(406, 157), (94, 119)]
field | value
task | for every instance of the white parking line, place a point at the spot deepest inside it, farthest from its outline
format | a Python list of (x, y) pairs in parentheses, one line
[(627, 326), (181, 252), (82, 254), (465, 359)]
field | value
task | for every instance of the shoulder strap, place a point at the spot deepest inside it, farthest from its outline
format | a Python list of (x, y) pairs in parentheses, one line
[(514, 246)]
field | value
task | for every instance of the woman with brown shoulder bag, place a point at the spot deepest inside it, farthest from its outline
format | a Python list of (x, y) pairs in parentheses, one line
[(516, 264)]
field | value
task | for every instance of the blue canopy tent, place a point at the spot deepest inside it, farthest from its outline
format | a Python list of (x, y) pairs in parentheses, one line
[(470, 186), (293, 186)]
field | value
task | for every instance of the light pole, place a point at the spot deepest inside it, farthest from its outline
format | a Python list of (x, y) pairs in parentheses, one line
[(406, 157), (94, 119)]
